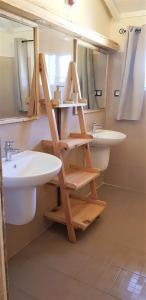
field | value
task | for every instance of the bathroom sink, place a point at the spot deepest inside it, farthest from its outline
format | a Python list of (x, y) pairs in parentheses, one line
[(21, 176), (30, 168), (108, 137), (100, 146)]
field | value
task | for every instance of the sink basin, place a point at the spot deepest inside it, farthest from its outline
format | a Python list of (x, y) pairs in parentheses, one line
[(100, 146), (108, 137), (30, 168), (21, 176)]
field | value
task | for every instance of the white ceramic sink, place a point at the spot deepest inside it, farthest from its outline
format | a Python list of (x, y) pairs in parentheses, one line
[(30, 168), (21, 176), (100, 146), (108, 137)]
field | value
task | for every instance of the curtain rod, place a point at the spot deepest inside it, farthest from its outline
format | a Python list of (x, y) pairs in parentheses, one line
[(26, 41), (122, 30)]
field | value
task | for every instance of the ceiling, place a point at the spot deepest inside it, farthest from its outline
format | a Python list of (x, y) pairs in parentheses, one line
[(126, 6)]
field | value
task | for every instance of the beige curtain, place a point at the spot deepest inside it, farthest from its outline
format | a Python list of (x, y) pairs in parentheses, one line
[(22, 74), (86, 72), (133, 75)]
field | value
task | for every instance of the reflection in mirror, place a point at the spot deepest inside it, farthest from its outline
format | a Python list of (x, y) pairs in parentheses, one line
[(92, 71), (58, 48), (16, 68)]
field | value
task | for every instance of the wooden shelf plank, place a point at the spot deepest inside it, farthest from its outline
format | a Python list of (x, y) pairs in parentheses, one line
[(67, 105), (83, 213), (75, 179), (77, 135), (67, 144), (64, 105), (75, 143)]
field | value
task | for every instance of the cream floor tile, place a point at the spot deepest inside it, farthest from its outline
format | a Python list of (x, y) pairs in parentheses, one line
[(99, 274), (126, 258), (19, 295), (43, 284), (129, 286), (56, 254), (104, 264)]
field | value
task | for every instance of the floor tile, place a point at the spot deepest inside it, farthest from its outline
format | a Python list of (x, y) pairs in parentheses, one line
[(19, 295), (43, 283), (108, 262), (129, 286), (55, 254)]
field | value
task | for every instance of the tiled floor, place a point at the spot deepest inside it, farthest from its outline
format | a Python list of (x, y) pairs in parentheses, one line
[(108, 262)]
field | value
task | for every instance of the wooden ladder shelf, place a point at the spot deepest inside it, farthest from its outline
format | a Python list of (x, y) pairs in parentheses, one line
[(75, 211)]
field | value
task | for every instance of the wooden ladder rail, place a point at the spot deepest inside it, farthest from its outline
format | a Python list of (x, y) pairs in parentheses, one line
[(73, 76), (55, 138), (87, 151)]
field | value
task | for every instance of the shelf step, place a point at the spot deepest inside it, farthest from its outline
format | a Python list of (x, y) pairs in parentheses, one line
[(77, 178), (67, 144), (83, 213), (55, 104)]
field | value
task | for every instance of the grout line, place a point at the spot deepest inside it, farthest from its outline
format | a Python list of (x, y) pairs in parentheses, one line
[(111, 295), (67, 275), (25, 293), (15, 287), (123, 188), (100, 185), (37, 236)]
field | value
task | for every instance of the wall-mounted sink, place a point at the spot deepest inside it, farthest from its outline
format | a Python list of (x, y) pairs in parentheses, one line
[(108, 137), (27, 170), (100, 146)]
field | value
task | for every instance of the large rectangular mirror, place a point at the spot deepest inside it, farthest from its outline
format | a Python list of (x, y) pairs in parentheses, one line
[(58, 49), (92, 65), (17, 68)]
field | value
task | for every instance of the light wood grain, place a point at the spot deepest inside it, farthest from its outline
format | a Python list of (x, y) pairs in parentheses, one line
[(55, 138), (78, 214), (77, 178), (66, 144), (83, 213), (66, 104), (68, 83), (76, 135), (75, 46)]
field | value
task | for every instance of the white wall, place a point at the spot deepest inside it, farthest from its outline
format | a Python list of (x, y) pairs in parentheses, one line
[(128, 160), (91, 13)]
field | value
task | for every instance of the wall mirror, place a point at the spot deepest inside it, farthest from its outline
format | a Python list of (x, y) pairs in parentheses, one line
[(92, 66), (58, 49), (17, 69)]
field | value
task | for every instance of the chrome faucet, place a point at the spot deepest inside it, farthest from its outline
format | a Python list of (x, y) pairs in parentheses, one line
[(9, 150), (95, 127)]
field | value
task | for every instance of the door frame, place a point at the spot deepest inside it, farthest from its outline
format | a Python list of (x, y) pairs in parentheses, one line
[(3, 264)]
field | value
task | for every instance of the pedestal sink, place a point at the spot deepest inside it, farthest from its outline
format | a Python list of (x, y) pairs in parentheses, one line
[(21, 176), (100, 146)]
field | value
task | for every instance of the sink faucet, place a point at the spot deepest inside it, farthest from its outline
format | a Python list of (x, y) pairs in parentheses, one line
[(9, 150), (96, 126)]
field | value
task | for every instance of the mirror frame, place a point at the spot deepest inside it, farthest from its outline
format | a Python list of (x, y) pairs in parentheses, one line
[(34, 107)]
